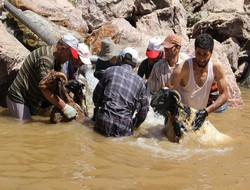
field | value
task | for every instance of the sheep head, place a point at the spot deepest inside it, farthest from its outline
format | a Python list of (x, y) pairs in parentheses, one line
[(166, 100)]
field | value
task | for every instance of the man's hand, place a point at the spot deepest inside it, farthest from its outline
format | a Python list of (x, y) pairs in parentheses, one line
[(69, 111), (99, 74), (199, 119), (136, 123)]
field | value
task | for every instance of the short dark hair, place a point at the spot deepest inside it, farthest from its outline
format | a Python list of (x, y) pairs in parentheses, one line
[(127, 59), (204, 41), (62, 43)]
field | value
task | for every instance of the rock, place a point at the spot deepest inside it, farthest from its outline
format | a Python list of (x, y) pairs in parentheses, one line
[(225, 6), (223, 26), (122, 32), (231, 49), (12, 53)]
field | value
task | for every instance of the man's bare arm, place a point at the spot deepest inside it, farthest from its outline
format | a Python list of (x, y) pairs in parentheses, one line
[(220, 78), (53, 99)]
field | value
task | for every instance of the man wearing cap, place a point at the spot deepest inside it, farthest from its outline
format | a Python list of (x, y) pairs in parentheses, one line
[(107, 57), (120, 94), (194, 77), (71, 67), (154, 53), (162, 70), (24, 97)]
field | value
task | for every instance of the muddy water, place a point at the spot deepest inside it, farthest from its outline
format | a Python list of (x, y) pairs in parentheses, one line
[(38, 155)]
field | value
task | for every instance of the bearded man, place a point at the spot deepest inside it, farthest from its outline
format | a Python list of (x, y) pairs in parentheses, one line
[(194, 77)]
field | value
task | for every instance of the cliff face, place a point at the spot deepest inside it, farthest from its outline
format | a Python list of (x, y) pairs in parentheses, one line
[(133, 22)]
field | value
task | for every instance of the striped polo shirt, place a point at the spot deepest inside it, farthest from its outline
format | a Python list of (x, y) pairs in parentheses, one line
[(24, 88)]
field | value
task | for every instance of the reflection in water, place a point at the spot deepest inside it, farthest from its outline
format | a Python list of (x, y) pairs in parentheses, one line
[(38, 155)]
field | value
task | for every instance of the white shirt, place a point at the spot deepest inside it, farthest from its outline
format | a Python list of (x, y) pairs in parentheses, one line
[(193, 95)]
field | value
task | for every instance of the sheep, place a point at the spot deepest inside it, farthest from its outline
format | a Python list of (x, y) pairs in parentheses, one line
[(68, 91), (179, 117)]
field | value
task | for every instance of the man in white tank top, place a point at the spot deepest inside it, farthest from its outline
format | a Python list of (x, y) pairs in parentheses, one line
[(194, 77)]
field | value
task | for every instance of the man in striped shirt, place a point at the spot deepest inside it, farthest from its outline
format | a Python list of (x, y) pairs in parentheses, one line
[(118, 95), (24, 97)]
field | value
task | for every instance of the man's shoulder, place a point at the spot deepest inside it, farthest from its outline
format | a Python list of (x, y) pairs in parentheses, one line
[(160, 62), (113, 70), (215, 61), (144, 62), (217, 66), (137, 78), (44, 51)]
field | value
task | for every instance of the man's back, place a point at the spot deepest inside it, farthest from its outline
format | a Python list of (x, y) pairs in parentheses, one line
[(24, 88), (122, 87), (119, 94)]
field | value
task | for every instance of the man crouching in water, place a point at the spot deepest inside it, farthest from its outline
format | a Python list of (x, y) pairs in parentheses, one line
[(118, 95), (24, 97)]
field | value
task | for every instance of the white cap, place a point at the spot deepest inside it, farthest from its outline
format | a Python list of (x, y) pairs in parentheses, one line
[(84, 53), (72, 42), (133, 52), (155, 44), (154, 47)]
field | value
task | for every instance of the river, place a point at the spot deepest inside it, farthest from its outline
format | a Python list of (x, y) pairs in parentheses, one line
[(36, 155)]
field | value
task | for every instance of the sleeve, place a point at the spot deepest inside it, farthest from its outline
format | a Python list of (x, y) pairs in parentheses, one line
[(44, 65), (142, 108), (152, 80), (141, 69), (98, 93)]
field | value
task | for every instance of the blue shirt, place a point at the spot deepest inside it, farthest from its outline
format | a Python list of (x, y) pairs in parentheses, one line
[(69, 71), (118, 95)]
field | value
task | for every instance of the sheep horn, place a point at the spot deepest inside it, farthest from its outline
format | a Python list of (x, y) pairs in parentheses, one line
[(63, 76), (177, 96)]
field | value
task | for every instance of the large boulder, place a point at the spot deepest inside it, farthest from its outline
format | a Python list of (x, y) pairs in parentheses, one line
[(161, 17), (223, 26), (12, 54), (228, 6), (122, 32)]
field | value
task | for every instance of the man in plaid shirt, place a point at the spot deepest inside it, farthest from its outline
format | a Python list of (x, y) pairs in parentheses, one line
[(118, 95)]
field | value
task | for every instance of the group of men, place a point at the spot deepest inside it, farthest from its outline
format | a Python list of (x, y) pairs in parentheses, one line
[(121, 97), (192, 76)]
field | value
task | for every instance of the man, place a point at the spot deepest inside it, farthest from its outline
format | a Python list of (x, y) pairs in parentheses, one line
[(195, 76), (162, 69), (24, 97), (71, 67), (154, 53), (118, 95), (107, 57)]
